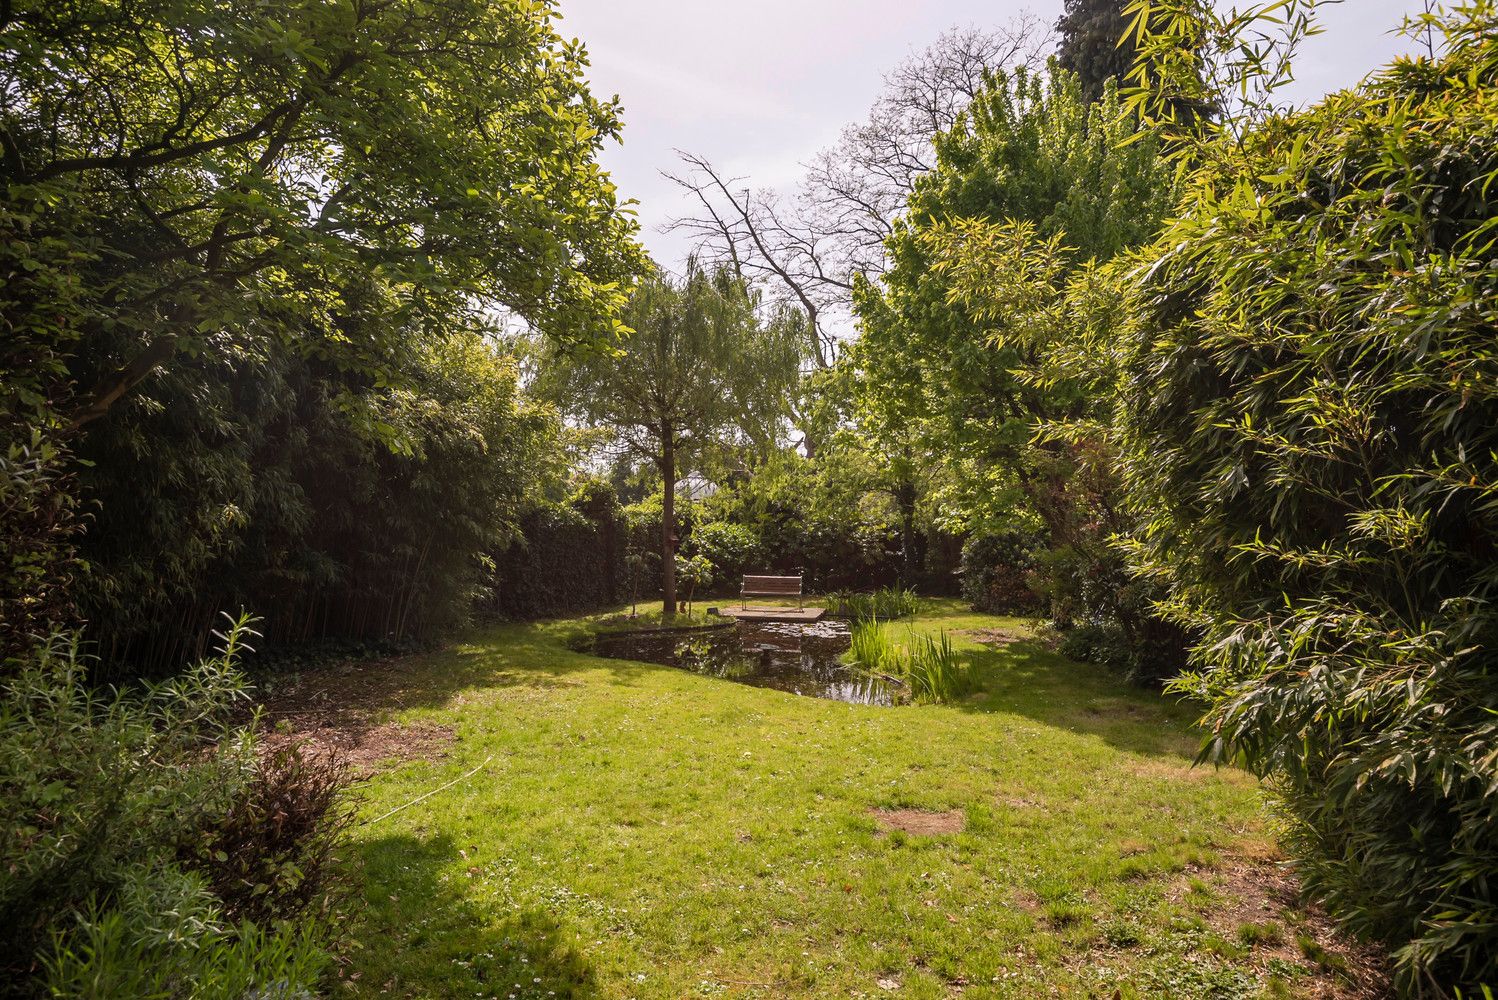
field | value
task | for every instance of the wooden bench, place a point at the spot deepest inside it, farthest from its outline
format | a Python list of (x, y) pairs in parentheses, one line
[(771, 586)]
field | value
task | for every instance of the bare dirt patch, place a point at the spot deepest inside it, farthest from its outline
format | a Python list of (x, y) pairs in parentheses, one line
[(1253, 893), (994, 636), (919, 822), (366, 748), (344, 712)]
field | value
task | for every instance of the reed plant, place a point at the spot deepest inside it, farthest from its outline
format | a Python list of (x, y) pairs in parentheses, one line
[(931, 668), (870, 648), (927, 667), (885, 603)]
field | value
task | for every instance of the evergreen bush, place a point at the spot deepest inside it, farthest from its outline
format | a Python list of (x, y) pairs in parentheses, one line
[(996, 572), (1310, 426)]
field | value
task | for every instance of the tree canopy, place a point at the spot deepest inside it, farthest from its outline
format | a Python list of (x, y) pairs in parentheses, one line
[(184, 177), (1029, 150), (1093, 43), (701, 369)]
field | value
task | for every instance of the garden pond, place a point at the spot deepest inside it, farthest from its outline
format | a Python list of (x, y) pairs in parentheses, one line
[(801, 658)]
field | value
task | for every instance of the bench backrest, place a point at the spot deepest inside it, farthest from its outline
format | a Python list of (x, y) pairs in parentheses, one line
[(772, 586)]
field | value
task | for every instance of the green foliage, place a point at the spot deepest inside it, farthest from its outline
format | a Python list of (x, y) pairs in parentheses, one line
[(701, 371), (933, 671), (39, 525), (868, 646), (570, 556), (733, 549), (927, 667), (333, 508), (884, 604), (268, 245), (109, 798), (831, 518), (1310, 422), (107, 958), (1069, 329), (216, 178), (701, 368), (996, 570), (694, 573), (1042, 182), (1093, 44)]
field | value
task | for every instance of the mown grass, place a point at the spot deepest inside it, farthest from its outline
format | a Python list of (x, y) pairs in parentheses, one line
[(640, 831)]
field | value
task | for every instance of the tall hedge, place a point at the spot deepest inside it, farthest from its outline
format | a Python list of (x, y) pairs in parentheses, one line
[(1311, 424), (568, 557)]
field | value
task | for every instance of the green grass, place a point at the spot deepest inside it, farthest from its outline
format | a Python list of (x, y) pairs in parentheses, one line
[(640, 831)]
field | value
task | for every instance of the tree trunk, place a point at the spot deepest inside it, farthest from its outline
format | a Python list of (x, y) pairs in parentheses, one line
[(909, 555), (668, 525)]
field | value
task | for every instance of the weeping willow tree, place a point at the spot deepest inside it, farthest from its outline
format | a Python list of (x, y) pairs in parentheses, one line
[(703, 368)]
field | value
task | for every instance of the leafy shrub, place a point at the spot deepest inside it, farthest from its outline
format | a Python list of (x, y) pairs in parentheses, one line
[(271, 855), (1106, 614), (733, 548), (692, 574), (1311, 435), (996, 571), (107, 796), (38, 530), (108, 958)]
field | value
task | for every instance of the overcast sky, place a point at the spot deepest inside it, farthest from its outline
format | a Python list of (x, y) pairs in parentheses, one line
[(759, 87)]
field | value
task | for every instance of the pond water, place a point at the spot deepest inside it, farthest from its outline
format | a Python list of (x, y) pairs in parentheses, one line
[(803, 659)]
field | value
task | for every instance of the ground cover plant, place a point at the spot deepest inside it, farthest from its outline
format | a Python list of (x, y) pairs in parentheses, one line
[(633, 830)]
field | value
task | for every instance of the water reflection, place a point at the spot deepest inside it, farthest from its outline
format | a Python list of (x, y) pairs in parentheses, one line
[(803, 659)]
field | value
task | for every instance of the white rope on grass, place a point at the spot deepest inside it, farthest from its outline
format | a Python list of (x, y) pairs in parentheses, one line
[(427, 795)]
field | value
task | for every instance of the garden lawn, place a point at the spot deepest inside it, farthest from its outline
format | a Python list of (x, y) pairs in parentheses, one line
[(639, 831)]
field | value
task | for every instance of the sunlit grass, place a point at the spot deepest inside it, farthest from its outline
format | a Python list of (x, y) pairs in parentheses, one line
[(639, 831)]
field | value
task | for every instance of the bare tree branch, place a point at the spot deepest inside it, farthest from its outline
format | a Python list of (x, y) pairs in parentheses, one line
[(810, 245)]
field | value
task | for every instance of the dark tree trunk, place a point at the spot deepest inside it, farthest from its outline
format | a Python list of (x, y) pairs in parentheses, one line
[(910, 555), (668, 525)]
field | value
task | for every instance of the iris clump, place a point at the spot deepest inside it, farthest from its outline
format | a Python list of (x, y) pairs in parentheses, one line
[(927, 667), (885, 603)]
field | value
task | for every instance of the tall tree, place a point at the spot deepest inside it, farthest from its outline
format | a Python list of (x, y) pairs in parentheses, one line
[(1094, 43), (214, 173), (1029, 150), (702, 368), (807, 245)]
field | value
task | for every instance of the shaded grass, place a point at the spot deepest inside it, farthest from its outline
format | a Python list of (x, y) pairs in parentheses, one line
[(647, 832)]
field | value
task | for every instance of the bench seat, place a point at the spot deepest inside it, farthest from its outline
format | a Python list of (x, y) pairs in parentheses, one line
[(771, 586)]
